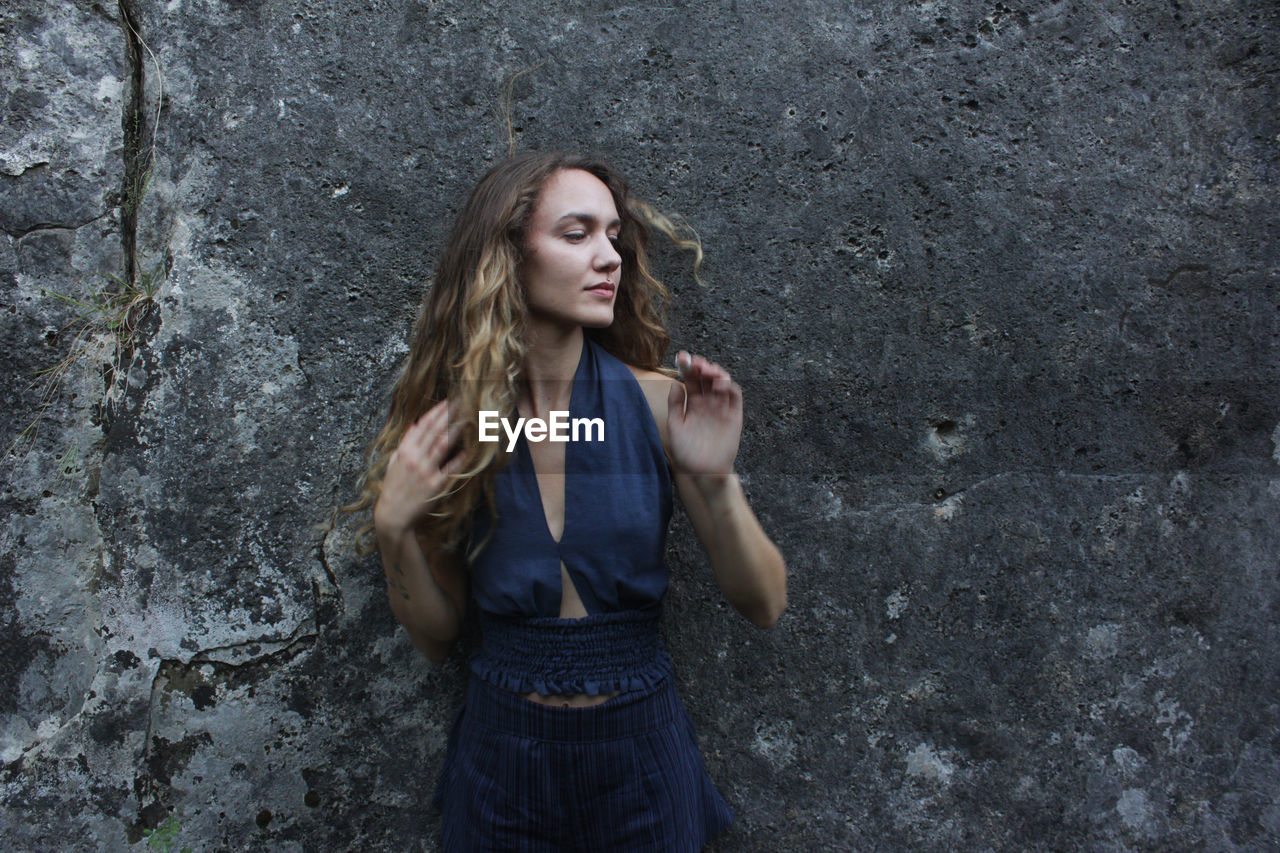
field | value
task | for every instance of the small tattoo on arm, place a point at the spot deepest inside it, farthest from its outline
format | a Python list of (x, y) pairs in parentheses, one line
[(399, 587)]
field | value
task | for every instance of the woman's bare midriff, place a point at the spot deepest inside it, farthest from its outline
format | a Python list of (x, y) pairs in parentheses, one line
[(570, 700)]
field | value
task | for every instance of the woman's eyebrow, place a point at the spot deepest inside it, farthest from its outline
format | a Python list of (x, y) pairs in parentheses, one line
[(588, 219)]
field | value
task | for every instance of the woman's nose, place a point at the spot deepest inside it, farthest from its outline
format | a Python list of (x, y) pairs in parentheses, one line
[(608, 258)]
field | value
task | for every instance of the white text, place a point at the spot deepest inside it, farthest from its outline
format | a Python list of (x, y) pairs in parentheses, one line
[(556, 428)]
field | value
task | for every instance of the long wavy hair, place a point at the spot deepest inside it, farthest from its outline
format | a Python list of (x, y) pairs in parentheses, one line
[(468, 342)]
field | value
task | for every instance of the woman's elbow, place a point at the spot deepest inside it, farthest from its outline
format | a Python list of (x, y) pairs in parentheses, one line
[(767, 615), (435, 648), (435, 651), (436, 645), (768, 609)]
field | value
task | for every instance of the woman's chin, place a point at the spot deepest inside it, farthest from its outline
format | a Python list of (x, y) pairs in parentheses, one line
[(598, 319)]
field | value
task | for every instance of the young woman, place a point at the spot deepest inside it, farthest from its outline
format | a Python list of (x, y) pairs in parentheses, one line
[(571, 736)]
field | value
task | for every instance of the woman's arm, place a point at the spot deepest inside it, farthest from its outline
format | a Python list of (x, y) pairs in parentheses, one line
[(428, 595), (425, 585), (700, 423), (748, 567)]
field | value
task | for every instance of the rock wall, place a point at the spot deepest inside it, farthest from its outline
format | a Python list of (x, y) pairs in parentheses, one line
[(1000, 280)]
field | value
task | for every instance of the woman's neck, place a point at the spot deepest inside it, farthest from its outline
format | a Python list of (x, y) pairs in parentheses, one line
[(550, 362)]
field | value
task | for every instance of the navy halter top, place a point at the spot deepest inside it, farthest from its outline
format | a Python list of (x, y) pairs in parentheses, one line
[(617, 504)]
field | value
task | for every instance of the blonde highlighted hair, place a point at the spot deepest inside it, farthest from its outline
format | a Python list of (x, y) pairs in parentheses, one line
[(468, 341)]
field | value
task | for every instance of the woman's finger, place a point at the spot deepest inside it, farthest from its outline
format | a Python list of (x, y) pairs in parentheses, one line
[(446, 437), (676, 396), (727, 386), (704, 373), (454, 464), (715, 371), (696, 375), (411, 435), (432, 424), (684, 362), (414, 435)]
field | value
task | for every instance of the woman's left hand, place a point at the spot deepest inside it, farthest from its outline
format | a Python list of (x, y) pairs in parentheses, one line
[(704, 417)]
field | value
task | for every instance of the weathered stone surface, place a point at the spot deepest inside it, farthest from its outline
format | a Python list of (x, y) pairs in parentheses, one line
[(1000, 283)]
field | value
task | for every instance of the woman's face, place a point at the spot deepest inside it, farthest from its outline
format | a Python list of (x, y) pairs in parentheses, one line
[(572, 266)]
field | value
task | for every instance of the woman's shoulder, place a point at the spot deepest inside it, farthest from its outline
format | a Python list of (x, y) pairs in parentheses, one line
[(653, 382), (656, 386), (645, 375)]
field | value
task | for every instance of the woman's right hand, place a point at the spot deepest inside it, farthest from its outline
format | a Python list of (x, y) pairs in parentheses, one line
[(418, 471)]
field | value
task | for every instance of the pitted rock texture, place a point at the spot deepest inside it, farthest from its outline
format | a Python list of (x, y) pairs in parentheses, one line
[(999, 281)]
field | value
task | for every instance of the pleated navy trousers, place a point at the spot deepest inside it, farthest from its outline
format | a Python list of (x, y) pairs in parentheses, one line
[(625, 775)]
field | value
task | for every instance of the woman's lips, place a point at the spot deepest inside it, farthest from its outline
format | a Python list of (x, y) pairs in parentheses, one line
[(602, 289)]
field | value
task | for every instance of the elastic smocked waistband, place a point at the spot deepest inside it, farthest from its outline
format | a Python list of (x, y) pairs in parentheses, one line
[(598, 654)]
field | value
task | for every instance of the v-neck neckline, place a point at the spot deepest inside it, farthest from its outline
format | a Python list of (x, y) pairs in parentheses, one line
[(523, 446)]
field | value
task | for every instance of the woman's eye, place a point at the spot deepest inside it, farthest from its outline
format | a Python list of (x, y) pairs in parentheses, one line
[(575, 236)]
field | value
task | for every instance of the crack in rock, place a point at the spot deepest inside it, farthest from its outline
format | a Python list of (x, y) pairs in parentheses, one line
[(20, 233)]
